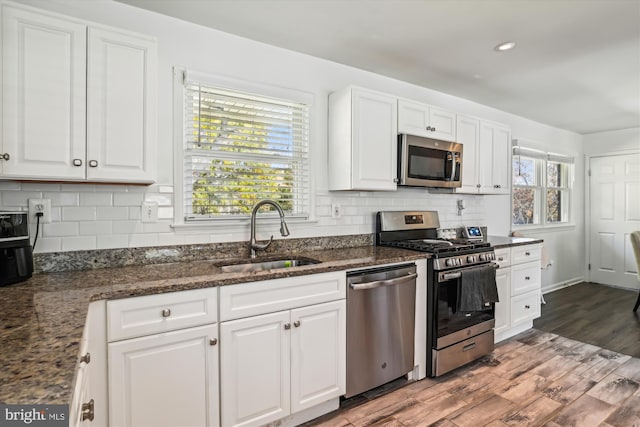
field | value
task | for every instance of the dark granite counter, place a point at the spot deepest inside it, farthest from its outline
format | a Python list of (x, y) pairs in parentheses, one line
[(41, 320), (499, 242)]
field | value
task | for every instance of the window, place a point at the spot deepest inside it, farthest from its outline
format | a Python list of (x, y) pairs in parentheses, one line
[(240, 148), (541, 187)]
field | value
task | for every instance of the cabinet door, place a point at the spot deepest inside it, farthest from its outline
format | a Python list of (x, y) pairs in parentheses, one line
[(413, 118), (443, 124), (44, 88), (167, 379), (525, 277), (503, 308), (318, 354), (121, 107), (255, 375), (494, 159), (525, 308), (374, 139), (468, 132)]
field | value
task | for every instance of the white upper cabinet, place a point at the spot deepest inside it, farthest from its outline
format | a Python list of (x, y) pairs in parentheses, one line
[(419, 119), (486, 160), (44, 92), (362, 140), (78, 102), (120, 97)]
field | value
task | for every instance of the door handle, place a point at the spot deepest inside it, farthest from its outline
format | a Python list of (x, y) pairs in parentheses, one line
[(378, 283)]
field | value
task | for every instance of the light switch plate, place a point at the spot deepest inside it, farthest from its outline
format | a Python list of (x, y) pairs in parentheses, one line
[(149, 212)]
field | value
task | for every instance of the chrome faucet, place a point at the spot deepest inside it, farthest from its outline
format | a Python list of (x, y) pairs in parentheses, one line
[(284, 230)]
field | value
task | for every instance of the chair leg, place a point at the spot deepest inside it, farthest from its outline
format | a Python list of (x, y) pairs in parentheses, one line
[(637, 303)]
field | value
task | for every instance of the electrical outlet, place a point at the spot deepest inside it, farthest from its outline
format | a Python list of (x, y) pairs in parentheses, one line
[(40, 205), (149, 212), (336, 211)]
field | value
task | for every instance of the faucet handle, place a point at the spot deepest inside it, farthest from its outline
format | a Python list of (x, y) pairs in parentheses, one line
[(262, 246)]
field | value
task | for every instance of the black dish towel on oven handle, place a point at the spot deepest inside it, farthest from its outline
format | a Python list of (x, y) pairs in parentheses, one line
[(476, 288)]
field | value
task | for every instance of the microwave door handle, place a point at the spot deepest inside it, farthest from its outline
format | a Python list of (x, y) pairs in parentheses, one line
[(453, 165)]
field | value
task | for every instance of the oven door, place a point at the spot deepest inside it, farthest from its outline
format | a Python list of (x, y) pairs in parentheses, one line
[(452, 324), (426, 162)]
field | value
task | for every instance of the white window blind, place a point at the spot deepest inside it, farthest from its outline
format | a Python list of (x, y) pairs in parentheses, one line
[(240, 148)]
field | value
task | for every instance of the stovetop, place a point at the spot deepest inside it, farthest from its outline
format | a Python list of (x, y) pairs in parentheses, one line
[(440, 247)]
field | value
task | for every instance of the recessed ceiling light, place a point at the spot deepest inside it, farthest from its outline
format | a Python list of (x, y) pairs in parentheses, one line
[(505, 46)]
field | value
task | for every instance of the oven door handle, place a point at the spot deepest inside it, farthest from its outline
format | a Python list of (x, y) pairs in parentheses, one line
[(456, 274), (379, 283)]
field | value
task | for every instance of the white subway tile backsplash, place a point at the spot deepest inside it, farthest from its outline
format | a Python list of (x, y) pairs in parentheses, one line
[(138, 240), (165, 213), (79, 243), (73, 213), (47, 244), (182, 239), (126, 227), (78, 187), (157, 227), (60, 229), (165, 189), (160, 199), (127, 199), (40, 186), (94, 228), (9, 185), (62, 198), (19, 198), (96, 199), (135, 212), (112, 241), (112, 213), (110, 188)]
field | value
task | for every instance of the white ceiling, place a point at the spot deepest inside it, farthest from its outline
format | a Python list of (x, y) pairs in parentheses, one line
[(576, 64)]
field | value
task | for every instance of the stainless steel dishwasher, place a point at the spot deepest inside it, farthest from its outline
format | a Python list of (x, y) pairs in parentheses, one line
[(380, 326)]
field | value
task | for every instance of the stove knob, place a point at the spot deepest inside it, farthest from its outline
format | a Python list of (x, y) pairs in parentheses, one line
[(471, 258), (449, 262), (482, 257)]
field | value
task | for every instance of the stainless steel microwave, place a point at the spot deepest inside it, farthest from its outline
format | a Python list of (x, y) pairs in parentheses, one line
[(426, 162)]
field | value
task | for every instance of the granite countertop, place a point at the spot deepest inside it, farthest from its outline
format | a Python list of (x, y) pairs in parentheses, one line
[(42, 319), (499, 242)]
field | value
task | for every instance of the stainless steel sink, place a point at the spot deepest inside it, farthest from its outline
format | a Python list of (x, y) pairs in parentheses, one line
[(270, 264)]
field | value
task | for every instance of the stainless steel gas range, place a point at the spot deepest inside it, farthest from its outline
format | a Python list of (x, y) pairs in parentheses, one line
[(461, 287)]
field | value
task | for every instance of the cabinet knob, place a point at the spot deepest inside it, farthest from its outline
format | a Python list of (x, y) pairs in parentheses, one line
[(527, 307), (166, 312), (428, 127), (87, 411), (500, 259), (213, 341), (296, 323), (478, 185), (527, 253), (93, 163), (85, 358), (396, 180), (5, 156), (287, 326), (433, 129), (527, 278), (77, 162)]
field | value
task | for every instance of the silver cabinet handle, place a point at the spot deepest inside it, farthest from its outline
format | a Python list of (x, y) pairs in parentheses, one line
[(478, 185), (287, 326), (213, 341), (93, 163), (77, 162), (428, 127), (296, 323), (433, 129), (527, 253), (166, 312), (527, 307), (87, 411), (527, 278), (378, 283), (5, 156), (85, 358)]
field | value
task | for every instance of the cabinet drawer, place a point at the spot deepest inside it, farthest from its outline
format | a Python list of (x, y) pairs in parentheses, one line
[(133, 317), (503, 257), (525, 278), (520, 254), (525, 307), (253, 298)]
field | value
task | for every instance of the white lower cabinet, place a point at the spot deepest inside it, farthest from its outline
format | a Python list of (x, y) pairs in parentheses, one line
[(281, 363), (168, 379), (519, 289)]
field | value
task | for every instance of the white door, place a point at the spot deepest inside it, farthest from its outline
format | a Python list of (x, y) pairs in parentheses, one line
[(615, 212), (467, 135), (44, 87), (166, 379), (494, 154), (443, 124), (413, 118), (255, 369), (121, 107), (318, 354), (503, 308), (374, 141)]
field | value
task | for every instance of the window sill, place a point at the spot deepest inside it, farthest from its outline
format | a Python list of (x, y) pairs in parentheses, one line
[(538, 229), (236, 224)]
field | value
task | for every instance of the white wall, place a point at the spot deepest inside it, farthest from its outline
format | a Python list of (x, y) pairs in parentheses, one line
[(95, 216), (609, 142)]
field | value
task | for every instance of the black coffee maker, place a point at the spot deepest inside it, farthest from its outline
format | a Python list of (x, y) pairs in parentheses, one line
[(16, 258)]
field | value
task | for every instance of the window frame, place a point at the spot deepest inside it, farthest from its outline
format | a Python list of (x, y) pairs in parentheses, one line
[(236, 222), (543, 159)]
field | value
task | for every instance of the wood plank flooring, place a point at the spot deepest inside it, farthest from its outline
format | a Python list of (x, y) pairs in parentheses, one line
[(594, 314), (580, 367)]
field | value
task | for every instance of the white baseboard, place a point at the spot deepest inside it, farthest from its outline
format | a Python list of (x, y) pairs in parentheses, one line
[(561, 285)]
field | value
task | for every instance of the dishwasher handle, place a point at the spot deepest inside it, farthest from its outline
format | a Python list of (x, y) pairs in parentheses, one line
[(379, 283)]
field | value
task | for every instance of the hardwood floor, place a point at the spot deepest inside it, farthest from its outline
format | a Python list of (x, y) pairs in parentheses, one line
[(594, 314), (534, 379), (579, 367)]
